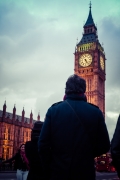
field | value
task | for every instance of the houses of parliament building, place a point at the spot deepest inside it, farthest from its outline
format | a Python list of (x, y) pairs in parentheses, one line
[(89, 63), (14, 130)]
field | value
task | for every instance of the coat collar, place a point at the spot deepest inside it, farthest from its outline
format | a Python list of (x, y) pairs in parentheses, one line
[(81, 97)]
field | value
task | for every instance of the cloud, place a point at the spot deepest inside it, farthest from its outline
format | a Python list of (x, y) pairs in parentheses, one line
[(109, 33), (111, 39)]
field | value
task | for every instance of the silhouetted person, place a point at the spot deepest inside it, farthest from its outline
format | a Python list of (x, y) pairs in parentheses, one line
[(115, 148), (20, 162), (73, 134), (31, 149)]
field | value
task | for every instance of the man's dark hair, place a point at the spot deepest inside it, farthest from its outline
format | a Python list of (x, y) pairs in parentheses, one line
[(75, 84)]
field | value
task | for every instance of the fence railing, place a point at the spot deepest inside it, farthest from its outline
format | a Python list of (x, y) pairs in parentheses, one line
[(7, 167)]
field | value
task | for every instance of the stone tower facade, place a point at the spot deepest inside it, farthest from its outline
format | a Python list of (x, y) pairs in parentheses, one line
[(90, 63)]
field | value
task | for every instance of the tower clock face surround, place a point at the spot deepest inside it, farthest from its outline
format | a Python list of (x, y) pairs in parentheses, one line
[(85, 60), (102, 65)]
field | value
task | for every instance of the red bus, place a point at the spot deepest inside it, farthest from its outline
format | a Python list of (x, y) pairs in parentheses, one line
[(103, 163)]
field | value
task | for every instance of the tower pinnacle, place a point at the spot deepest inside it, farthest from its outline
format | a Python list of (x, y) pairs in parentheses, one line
[(90, 5), (89, 19)]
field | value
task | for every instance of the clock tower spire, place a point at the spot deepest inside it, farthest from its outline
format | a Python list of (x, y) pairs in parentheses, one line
[(90, 63), (89, 19)]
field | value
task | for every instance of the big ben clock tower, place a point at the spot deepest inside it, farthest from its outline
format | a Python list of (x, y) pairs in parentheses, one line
[(90, 63)]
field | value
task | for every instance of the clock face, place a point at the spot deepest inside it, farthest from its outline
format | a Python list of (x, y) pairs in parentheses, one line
[(85, 60), (102, 63)]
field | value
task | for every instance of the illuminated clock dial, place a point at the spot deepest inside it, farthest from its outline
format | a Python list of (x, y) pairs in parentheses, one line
[(102, 65), (85, 60)]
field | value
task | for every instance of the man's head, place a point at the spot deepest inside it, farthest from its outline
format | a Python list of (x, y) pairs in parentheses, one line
[(75, 84), (37, 126), (36, 129)]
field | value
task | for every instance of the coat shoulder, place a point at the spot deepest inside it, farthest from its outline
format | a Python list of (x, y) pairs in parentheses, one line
[(57, 103), (93, 105), (28, 143)]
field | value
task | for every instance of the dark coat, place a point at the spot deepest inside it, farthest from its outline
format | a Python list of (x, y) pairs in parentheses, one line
[(68, 149), (115, 147), (31, 150)]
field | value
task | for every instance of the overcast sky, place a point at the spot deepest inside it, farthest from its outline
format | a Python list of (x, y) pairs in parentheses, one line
[(37, 42)]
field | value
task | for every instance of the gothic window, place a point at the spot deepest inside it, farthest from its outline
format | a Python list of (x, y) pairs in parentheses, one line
[(8, 136), (7, 153), (3, 150), (5, 129), (26, 134), (7, 156), (89, 84), (18, 132), (7, 150), (8, 130)]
